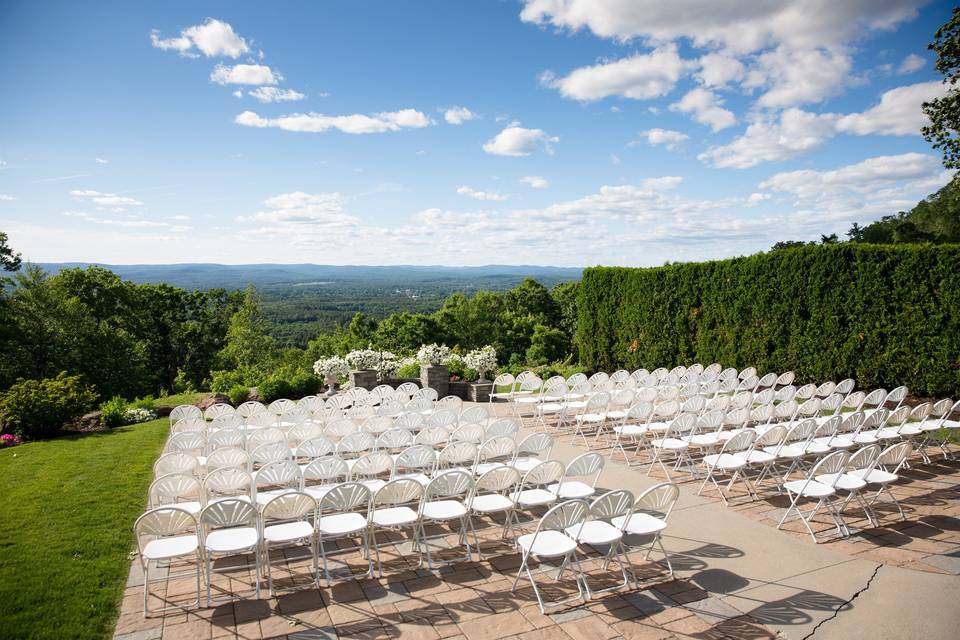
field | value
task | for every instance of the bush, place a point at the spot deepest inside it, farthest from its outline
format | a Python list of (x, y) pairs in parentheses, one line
[(238, 394), (113, 412), (146, 402), (884, 315), (304, 384), (411, 370), (39, 408), (274, 388), (137, 415), (547, 345)]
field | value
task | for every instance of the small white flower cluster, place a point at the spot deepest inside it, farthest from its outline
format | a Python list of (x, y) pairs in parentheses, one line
[(453, 358), (482, 360), (135, 416), (334, 365), (433, 353)]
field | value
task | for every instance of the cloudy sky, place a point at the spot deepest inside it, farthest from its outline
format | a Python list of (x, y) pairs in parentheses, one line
[(560, 132)]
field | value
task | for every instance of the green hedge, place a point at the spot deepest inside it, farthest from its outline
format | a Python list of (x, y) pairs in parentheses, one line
[(885, 315)]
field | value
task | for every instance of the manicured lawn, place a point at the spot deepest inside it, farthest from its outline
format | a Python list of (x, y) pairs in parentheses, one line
[(67, 508)]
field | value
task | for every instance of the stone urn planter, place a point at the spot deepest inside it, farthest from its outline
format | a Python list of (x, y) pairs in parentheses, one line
[(436, 377), (333, 382)]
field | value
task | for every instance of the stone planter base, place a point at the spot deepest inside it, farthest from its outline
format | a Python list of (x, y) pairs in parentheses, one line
[(472, 391), (436, 377), (364, 378)]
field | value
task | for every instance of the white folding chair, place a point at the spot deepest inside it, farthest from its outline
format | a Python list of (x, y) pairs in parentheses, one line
[(530, 450), (177, 490), (648, 520), (599, 531), (166, 534), (731, 461), (342, 514), (230, 527), (495, 492), (587, 466), (445, 501), (822, 492), (395, 507), (288, 521)]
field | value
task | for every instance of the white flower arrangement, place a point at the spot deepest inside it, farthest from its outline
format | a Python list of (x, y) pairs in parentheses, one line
[(483, 359), (433, 353), (138, 415), (387, 368), (453, 358), (334, 365), (360, 359)]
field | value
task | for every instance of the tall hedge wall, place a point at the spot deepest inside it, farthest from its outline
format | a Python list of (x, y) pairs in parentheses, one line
[(885, 315)]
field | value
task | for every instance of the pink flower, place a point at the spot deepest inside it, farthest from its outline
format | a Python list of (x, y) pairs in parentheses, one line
[(9, 440)]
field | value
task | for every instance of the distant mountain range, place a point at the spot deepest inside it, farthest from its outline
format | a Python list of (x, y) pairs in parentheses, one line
[(207, 276)]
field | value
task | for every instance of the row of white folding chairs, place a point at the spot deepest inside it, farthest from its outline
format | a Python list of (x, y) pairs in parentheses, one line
[(317, 440), (231, 524)]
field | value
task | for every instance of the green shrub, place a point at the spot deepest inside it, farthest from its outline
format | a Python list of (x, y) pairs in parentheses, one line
[(224, 380), (884, 315), (547, 344), (182, 384), (113, 412), (239, 394), (39, 408), (304, 384), (146, 402), (274, 388), (411, 370)]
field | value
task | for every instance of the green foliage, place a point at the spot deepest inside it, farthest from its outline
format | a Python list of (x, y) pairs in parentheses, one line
[(274, 388), (405, 332), (547, 345), (885, 315), (223, 381), (411, 370), (303, 384), (238, 394), (113, 412), (247, 343), (39, 408), (9, 259), (547, 370), (146, 402), (944, 112), (935, 219)]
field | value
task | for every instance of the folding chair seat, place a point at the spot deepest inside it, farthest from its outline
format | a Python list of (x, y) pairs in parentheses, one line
[(230, 527), (165, 534), (288, 521), (598, 531), (395, 507), (445, 501), (495, 492), (730, 461), (824, 493), (884, 472), (672, 443), (529, 450), (342, 514), (648, 520), (587, 466)]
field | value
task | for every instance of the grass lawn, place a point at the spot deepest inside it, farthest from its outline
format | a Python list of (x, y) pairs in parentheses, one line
[(66, 517), (180, 398)]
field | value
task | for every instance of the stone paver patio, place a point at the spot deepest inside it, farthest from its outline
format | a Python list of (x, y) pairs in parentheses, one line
[(737, 577)]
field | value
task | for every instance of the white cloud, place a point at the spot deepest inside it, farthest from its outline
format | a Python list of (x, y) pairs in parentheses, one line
[(770, 140), (704, 107), (481, 195), (739, 26), (662, 183), (898, 112), (126, 222), (5, 198), (536, 182), (355, 123), (243, 74), (101, 161), (458, 115), (273, 94), (238, 93), (667, 137), (911, 63), (799, 76), (516, 141), (105, 199), (212, 38), (641, 77), (614, 158), (757, 197), (719, 68), (863, 177)]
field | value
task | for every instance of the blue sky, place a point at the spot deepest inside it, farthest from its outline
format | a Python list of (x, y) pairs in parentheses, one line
[(563, 132)]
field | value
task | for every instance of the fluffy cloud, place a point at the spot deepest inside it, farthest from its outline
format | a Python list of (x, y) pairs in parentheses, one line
[(458, 115), (662, 183), (535, 182), (863, 177), (798, 76), (273, 94), (911, 63), (898, 112), (5, 198), (355, 123), (704, 107), (481, 195), (641, 77), (298, 208), (105, 199), (516, 141), (212, 38), (739, 26), (243, 74), (670, 139), (770, 140), (719, 68), (101, 161)]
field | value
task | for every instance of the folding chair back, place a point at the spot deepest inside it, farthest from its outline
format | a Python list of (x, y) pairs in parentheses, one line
[(314, 448), (344, 498), (658, 500), (618, 502), (502, 427)]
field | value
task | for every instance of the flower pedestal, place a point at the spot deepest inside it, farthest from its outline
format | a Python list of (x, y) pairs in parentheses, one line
[(363, 378), (436, 377), (479, 391), (332, 383)]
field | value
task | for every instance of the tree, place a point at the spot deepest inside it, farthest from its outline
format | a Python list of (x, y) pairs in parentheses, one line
[(9, 260), (829, 239), (787, 244), (405, 332), (944, 112), (247, 343), (547, 344)]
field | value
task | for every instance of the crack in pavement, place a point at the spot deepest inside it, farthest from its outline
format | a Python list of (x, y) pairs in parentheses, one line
[(840, 608)]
